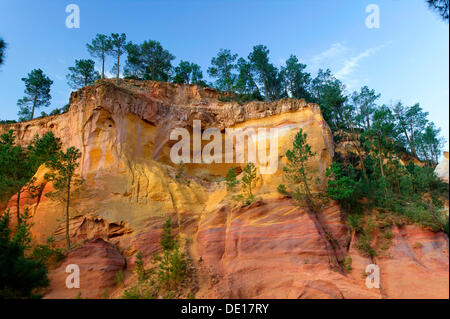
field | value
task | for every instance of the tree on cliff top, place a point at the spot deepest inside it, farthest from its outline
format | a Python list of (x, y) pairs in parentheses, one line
[(82, 74), (259, 59), (245, 83), (37, 94), (117, 49), (441, 7), (148, 61), (64, 179), (99, 48), (187, 72), (222, 67), (296, 80), (2, 51)]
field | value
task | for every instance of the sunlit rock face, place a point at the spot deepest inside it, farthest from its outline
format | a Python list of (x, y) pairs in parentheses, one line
[(442, 169), (123, 134), (270, 249)]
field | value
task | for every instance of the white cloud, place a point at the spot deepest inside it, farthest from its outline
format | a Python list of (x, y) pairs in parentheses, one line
[(335, 50), (351, 64)]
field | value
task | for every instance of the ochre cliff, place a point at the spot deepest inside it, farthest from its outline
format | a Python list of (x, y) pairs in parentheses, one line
[(272, 248)]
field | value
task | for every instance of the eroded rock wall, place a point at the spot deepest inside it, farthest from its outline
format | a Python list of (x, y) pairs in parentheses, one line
[(270, 249)]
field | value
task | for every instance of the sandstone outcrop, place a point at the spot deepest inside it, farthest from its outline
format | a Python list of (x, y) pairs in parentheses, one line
[(270, 249), (441, 169), (99, 264)]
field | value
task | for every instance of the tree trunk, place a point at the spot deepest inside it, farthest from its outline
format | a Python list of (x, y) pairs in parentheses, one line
[(118, 68), (381, 163), (380, 157), (308, 192), (411, 146), (413, 140), (67, 215), (266, 89), (358, 150), (227, 76), (32, 109), (103, 65), (424, 153), (18, 208), (367, 119)]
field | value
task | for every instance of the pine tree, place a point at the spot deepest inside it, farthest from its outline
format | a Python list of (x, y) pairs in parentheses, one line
[(37, 94), (117, 49), (231, 179), (221, 69), (82, 74), (2, 51), (248, 181), (99, 48), (64, 179), (297, 170), (20, 275)]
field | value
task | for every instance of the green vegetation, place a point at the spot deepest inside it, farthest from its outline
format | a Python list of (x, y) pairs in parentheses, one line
[(148, 61), (248, 182), (23, 270), (189, 73), (221, 69), (231, 179), (119, 278), (99, 48), (282, 189), (63, 165), (37, 94), (180, 170), (297, 171), (2, 51), (48, 254), (18, 165), (441, 7), (169, 270), (347, 264), (82, 74), (117, 48)]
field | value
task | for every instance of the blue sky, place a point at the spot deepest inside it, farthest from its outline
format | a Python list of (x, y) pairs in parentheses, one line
[(405, 59)]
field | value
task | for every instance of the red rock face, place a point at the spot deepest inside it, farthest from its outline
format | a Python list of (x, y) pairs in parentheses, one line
[(99, 263), (270, 249), (274, 250), (418, 265)]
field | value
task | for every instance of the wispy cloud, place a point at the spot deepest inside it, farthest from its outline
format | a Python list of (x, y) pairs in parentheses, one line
[(352, 63), (335, 50)]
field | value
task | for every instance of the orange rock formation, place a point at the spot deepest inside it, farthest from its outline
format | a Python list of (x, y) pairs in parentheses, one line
[(270, 249)]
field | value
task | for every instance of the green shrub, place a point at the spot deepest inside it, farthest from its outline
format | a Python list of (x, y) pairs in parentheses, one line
[(169, 271), (348, 263), (340, 186), (282, 189), (119, 278), (47, 253), (167, 240), (140, 270), (231, 179), (20, 276)]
